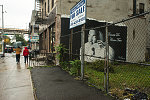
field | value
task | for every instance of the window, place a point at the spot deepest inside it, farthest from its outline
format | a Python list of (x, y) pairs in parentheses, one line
[(52, 3), (45, 8), (42, 13), (45, 34), (141, 8), (42, 9), (48, 6), (134, 7), (133, 34)]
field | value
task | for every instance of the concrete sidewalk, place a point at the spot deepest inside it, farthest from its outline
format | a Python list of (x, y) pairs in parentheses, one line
[(15, 79), (52, 83)]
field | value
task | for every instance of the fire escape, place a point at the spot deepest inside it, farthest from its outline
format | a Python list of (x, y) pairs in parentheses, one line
[(40, 18), (38, 15)]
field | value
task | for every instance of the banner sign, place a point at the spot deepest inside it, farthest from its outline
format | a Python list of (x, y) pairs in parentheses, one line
[(34, 38), (78, 14)]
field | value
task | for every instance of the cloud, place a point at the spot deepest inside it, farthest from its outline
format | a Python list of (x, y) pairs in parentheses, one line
[(18, 13)]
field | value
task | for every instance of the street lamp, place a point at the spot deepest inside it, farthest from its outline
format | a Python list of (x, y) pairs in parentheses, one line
[(3, 31)]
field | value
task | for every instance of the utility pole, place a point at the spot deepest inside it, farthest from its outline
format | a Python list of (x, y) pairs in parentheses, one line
[(2, 35)]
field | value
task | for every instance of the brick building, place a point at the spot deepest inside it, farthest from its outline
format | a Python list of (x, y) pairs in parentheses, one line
[(52, 16)]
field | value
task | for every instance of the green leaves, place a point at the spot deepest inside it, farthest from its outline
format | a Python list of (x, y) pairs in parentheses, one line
[(76, 63), (20, 38), (60, 50), (75, 67), (29, 68)]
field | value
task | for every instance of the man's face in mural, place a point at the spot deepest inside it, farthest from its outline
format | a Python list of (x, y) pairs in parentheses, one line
[(94, 39), (91, 36)]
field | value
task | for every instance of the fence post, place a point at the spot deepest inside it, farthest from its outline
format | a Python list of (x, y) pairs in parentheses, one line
[(82, 51), (70, 45), (107, 57), (71, 42), (106, 67)]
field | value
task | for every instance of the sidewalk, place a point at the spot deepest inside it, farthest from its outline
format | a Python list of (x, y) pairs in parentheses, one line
[(52, 83), (15, 79)]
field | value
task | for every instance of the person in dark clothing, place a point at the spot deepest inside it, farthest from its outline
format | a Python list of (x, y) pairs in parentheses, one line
[(25, 54)]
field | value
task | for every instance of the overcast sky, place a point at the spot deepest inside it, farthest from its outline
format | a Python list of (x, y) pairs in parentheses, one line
[(17, 13)]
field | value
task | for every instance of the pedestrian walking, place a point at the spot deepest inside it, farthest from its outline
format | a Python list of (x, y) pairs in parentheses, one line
[(18, 51), (25, 54)]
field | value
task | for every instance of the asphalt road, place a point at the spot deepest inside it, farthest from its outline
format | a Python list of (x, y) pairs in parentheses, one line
[(55, 84)]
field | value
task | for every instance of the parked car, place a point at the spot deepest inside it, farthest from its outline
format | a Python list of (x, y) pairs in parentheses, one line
[(8, 49)]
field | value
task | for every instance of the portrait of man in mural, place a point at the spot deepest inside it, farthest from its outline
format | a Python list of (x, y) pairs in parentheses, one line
[(95, 40), (95, 47)]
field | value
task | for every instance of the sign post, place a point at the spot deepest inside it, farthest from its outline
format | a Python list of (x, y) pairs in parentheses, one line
[(70, 45), (2, 34), (78, 17), (82, 51)]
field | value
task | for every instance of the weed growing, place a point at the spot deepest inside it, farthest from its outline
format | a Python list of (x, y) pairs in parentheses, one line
[(121, 76)]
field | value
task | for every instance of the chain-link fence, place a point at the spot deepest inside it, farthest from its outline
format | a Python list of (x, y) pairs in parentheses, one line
[(37, 58), (116, 55), (130, 77)]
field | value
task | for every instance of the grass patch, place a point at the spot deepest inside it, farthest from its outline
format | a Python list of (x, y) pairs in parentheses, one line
[(121, 76), (29, 67), (95, 77), (46, 66), (130, 76)]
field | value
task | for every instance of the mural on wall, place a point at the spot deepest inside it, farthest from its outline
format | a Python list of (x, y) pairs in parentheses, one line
[(118, 41), (95, 47), (95, 40)]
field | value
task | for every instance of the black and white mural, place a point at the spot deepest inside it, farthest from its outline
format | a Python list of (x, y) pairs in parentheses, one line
[(95, 40), (95, 47)]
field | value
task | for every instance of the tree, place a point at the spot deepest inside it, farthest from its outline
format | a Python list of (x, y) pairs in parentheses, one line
[(21, 38), (7, 40)]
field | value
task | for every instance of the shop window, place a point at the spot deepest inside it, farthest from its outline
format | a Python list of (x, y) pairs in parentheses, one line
[(53, 37)]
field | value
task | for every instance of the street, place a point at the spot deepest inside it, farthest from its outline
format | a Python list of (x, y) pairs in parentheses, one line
[(15, 79), (78, 49)]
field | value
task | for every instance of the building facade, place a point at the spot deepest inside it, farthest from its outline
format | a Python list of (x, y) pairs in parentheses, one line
[(52, 18)]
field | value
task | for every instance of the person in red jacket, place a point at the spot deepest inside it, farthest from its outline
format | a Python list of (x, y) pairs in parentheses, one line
[(25, 54)]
